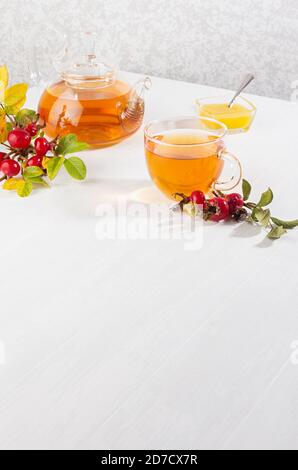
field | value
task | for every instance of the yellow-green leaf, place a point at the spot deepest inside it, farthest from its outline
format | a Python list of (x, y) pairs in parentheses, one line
[(39, 180), (262, 216), (76, 168), (246, 189), (276, 233), (15, 108), (53, 166), (32, 172), (3, 129), (70, 144), (287, 224), (4, 77), (11, 184), (15, 97), (45, 162), (266, 198), (2, 91), (25, 116), (24, 188)]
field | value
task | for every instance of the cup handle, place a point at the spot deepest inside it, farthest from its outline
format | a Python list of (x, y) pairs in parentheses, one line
[(236, 169)]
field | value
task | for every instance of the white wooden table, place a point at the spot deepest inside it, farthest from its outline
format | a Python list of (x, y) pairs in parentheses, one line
[(114, 344)]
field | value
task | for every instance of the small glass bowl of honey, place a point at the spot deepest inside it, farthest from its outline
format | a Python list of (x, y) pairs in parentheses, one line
[(238, 118)]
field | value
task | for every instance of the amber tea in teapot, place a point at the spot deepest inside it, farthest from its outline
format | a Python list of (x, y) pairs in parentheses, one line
[(90, 100)]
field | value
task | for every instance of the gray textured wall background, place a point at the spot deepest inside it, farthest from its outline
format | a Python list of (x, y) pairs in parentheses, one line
[(211, 42)]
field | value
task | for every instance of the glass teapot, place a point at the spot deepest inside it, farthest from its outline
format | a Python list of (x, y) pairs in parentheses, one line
[(89, 100)]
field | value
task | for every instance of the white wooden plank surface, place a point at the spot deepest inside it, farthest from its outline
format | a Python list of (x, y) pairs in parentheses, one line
[(143, 344)]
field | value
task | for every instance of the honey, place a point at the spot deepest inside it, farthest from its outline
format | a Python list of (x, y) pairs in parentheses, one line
[(238, 118)]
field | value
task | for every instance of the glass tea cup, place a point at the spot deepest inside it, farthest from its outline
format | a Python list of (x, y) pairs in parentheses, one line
[(185, 154)]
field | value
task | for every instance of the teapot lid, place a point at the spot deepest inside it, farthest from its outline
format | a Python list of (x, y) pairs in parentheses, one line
[(79, 64)]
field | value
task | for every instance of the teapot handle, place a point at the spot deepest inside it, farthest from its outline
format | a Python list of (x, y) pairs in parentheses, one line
[(140, 88), (131, 116)]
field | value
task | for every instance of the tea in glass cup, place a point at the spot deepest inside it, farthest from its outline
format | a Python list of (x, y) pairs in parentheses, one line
[(187, 154)]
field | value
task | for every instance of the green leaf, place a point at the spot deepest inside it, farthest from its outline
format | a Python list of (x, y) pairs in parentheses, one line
[(76, 168), (53, 167), (246, 189), (266, 198), (287, 224), (39, 180), (24, 188), (70, 144), (9, 127), (261, 216), (276, 233), (32, 171), (25, 116)]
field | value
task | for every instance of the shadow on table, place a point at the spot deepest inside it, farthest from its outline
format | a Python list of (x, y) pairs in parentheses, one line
[(266, 243), (141, 191), (95, 192), (245, 230)]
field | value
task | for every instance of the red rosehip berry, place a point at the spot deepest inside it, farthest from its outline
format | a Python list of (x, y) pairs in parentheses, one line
[(32, 129), (198, 197), (19, 139), (240, 215), (42, 146), (2, 157), (235, 202), (36, 160), (206, 206), (10, 168), (218, 209)]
